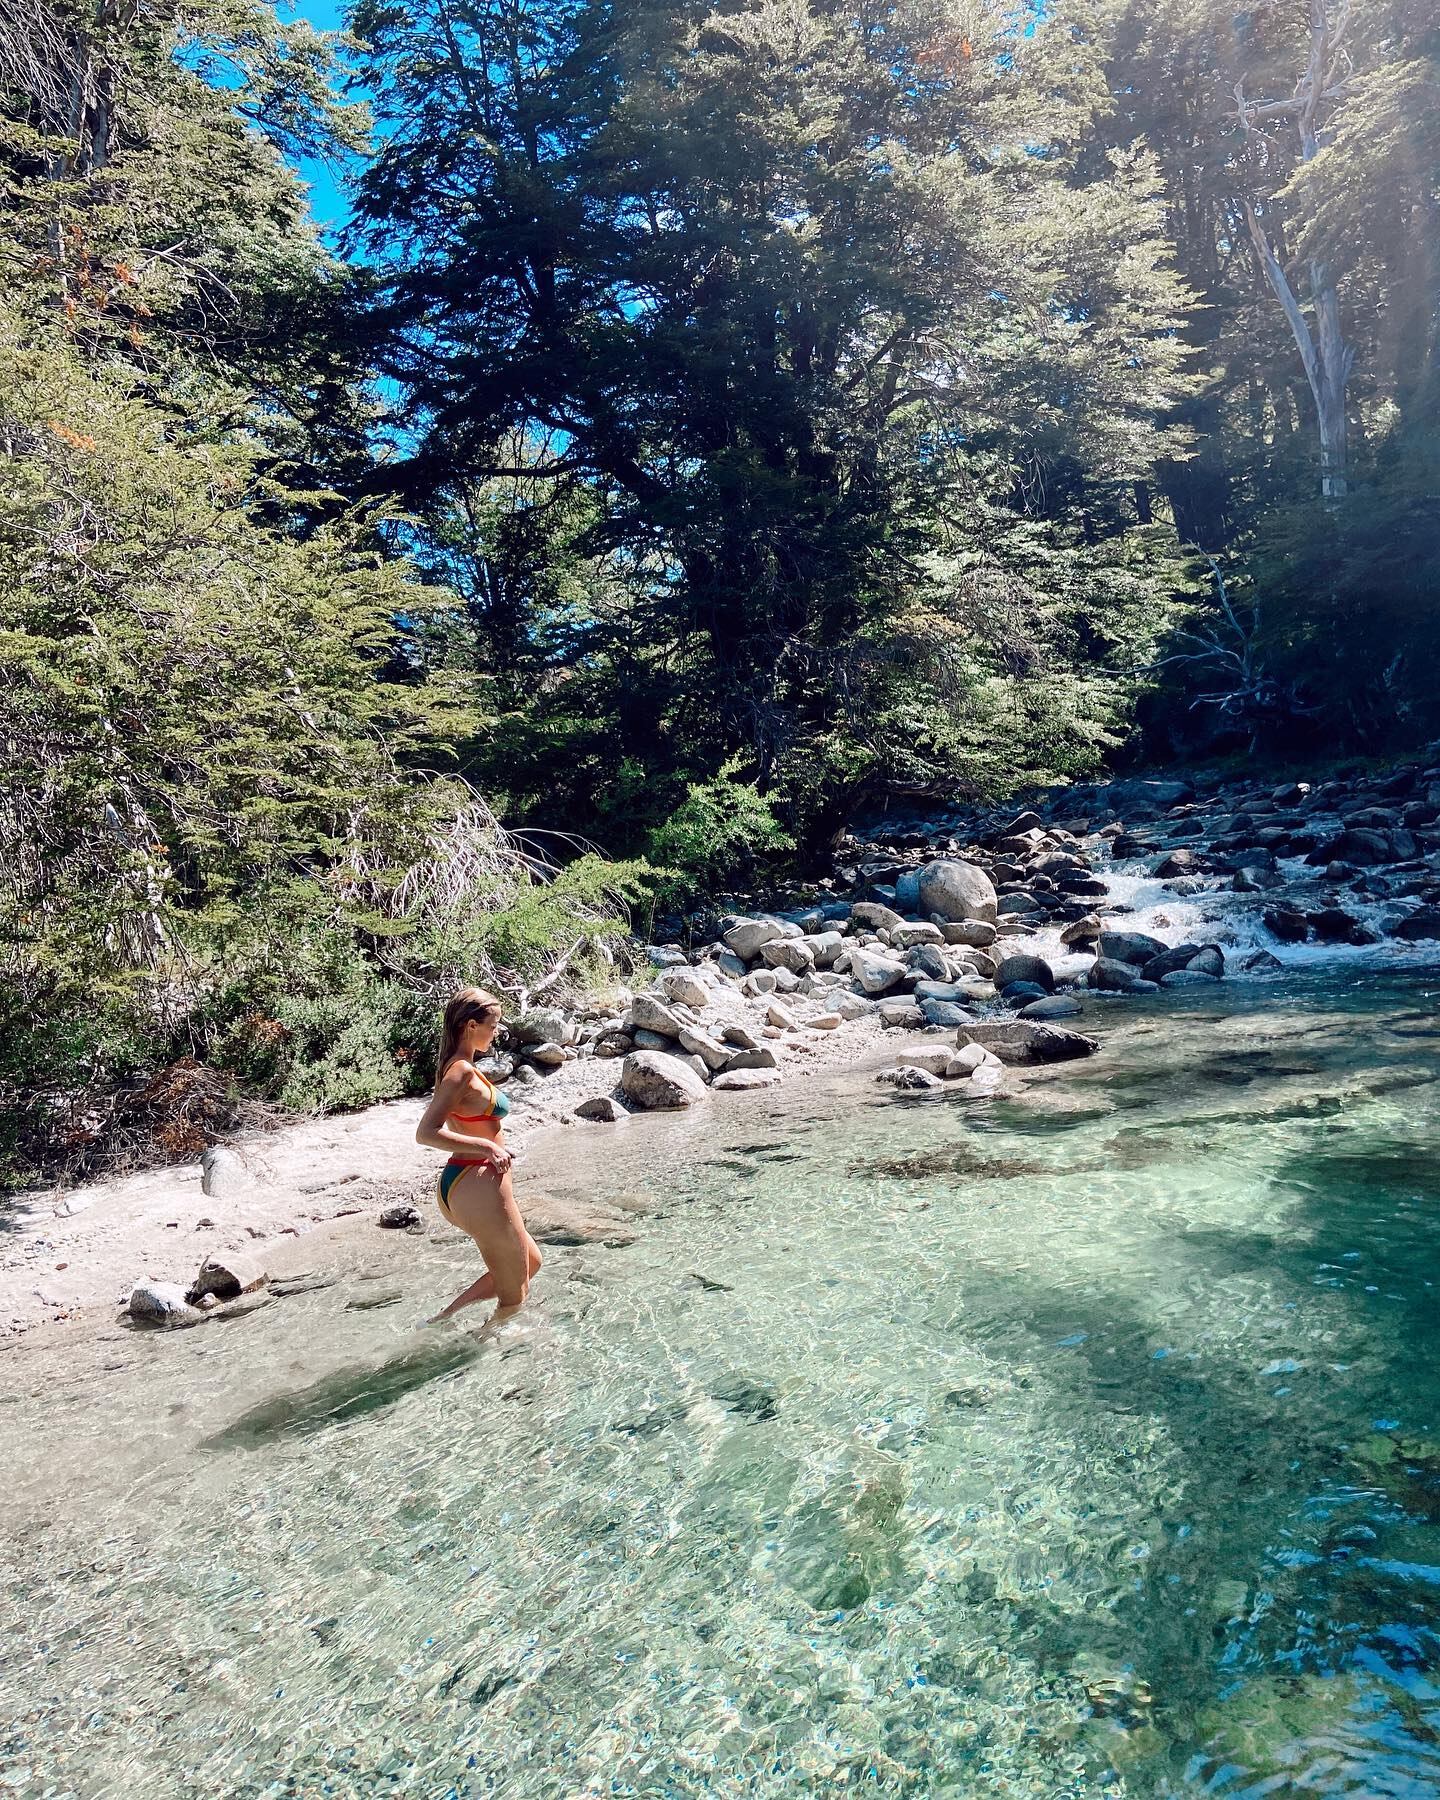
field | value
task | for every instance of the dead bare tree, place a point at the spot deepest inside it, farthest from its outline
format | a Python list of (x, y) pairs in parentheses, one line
[(1327, 358)]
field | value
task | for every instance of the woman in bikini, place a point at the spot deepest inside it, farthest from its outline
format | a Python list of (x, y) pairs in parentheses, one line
[(474, 1189)]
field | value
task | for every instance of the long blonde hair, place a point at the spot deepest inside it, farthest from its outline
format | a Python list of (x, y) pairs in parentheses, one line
[(468, 1004)]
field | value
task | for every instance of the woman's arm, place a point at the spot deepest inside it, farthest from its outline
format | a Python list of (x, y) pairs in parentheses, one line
[(435, 1134)]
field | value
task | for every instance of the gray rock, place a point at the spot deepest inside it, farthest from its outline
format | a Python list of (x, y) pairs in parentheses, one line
[(933, 1058), (222, 1172), (911, 933), (1168, 961), (876, 974), (895, 1013), (929, 961), (1020, 965), (1118, 977), (781, 1017), (739, 1037), (162, 1303), (762, 1057), (1053, 1006), (1135, 794), (226, 1273), (737, 1080), (1261, 962), (907, 890), (950, 991), (956, 891), (657, 1082), (685, 986), (909, 1079), (1422, 924), (604, 1109), (401, 1217), (979, 934), (616, 1043), (786, 981), (1013, 905), (758, 982), (548, 1056), (966, 1060), (852, 1006), (750, 936), (1130, 947), (947, 1013), (711, 1051), (1178, 862), (649, 1014), (793, 954), (665, 956), (543, 1025), (1083, 931), (1025, 1041), (651, 1040), (870, 915), (728, 963), (824, 947), (1181, 978), (1208, 961)]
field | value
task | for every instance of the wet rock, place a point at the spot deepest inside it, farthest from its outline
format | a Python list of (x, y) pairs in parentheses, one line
[(1178, 862), (1026, 821), (1209, 960), (1052, 1006), (1020, 965), (950, 991), (1133, 947), (226, 1273), (162, 1303), (947, 1013), (1333, 925), (1081, 883), (402, 1217), (1026, 1041), (1133, 794), (602, 1109), (1020, 993), (909, 1079), (1422, 924), (1013, 905), (1168, 961), (979, 934), (1183, 978), (657, 1082), (1116, 977), (1292, 793), (1360, 845), (1287, 923), (1083, 931), (957, 890), (1261, 962), (1255, 879)]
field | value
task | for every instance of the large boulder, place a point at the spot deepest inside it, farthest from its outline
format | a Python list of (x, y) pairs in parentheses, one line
[(871, 915), (1422, 924), (222, 1173), (824, 947), (658, 1082), (1020, 965), (793, 954), (1178, 862), (956, 890), (1167, 962), (1026, 1041), (1130, 947)]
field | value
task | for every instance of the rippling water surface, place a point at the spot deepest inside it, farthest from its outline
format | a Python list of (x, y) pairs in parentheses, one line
[(1084, 1441)]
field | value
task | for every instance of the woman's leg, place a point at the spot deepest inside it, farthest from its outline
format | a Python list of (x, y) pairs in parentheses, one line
[(484, 1208)]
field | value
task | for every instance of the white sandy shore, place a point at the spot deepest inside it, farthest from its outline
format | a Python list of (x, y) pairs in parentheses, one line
[(71, 1256)]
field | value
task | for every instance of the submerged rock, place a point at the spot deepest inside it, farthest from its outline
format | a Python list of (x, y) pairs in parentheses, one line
[(162, 1303), (1027, 1041), (909, 1078), (738, 1080), (1053, 1006)]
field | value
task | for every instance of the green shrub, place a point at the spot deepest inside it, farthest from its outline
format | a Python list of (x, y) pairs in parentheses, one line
[(719, 832)]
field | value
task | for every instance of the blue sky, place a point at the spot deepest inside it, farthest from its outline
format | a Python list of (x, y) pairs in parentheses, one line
[(327, 202)]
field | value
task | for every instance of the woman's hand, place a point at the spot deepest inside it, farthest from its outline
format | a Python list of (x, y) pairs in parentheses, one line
[(500, 1159)]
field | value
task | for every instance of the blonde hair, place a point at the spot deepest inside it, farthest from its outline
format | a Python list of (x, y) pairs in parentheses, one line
[(467, 1005)]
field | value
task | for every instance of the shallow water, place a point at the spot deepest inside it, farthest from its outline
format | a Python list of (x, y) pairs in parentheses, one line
[(1084, 1441)]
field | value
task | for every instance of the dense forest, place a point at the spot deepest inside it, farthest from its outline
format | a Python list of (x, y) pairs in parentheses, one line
[(713, 419)]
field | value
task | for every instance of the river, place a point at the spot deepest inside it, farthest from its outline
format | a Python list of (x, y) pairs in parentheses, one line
[(1081, 1440)]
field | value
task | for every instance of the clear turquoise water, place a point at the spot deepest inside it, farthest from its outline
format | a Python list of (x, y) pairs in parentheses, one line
[(1084, 1441)]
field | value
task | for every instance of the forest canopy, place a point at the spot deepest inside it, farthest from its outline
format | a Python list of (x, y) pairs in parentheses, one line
[(715, 418)]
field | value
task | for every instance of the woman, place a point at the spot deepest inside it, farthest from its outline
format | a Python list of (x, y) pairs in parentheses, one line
[(474, 1188)]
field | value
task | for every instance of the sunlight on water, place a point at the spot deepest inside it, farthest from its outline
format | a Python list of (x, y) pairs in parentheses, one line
[(1081, 1442)]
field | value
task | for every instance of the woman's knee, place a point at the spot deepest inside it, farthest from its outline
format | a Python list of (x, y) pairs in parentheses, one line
[(511, 1293)]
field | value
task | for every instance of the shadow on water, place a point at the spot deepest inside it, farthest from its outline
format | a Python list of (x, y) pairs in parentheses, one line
[(345, 1395)]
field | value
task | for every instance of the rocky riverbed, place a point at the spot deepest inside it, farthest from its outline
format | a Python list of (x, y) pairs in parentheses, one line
[(968, 939)]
